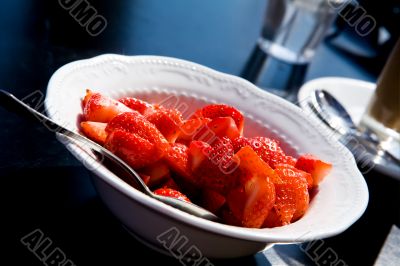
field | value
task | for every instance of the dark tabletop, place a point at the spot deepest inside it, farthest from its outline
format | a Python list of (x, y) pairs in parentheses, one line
[(43, 187)]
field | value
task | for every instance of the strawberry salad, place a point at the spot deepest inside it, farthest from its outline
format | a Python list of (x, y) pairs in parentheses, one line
[(205, 159)]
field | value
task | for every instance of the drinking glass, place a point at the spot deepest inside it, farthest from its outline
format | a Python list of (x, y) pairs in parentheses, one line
[(291, 32), (382, 116)]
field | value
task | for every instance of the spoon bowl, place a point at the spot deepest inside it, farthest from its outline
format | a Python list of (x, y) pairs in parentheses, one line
[(333, 114)]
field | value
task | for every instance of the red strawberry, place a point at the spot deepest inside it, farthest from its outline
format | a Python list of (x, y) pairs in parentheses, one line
[(158, 172), (298, 174), (168, 121), (177, 158), (316, 167), (229, 218), (266, 148), (218, 128), (254, 164), (216, 170), (292, 198), (136, 151), (252, 200), (169, 192), (170, 183), (221, 110), (137, 105), (274, 220), (190, 128), (95, 131), (198, 152), (240, 142), (236, 200), (133, 122), (100, 108), (86, 98), (221, 154), (212, 200), (289, 160)]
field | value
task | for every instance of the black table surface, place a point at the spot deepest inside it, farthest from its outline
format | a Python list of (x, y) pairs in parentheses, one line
[(44, 187)]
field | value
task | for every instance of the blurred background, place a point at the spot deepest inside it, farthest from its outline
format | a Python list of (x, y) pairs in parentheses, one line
[(38, 37), (45, 187)]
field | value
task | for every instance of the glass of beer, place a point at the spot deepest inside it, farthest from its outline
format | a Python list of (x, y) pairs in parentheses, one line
[(382, 116)]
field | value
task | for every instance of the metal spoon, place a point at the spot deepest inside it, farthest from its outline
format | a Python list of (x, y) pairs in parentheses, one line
[(332, 113), (13, 104)]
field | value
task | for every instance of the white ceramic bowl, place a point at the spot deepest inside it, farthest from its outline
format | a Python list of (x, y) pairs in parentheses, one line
[(342, 196)]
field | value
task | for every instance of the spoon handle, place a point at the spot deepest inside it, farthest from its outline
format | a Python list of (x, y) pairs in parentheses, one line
[(13, 104), (351, 137), (365, 150), (125, 172)]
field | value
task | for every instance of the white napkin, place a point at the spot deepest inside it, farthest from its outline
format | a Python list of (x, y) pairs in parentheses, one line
[(390, 252)]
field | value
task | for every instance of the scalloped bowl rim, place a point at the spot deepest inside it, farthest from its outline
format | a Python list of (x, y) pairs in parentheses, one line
[(267, 235)]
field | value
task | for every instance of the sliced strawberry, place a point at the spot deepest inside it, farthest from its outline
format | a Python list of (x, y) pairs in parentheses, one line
[(198, 152), (212, 200), (223, 127), (266, 148), (177, 158), (250, 161), (274, 220), (190, 128), (136, 151), (289, 160), (95, 131), (296, 173), (86, 98), (100, 108), (168, 122), (221, 154), (252, 203), (216, 170), (254, 197), (236, 200), (168, 192), (240, 142), (158, 172), (316, 167), (292, 198), (217, 128), (170, 183), (137, 105), (221, 110), (229, 218), (133, 122)]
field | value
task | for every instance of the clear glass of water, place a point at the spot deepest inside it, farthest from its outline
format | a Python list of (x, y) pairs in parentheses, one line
[(291, 32)]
